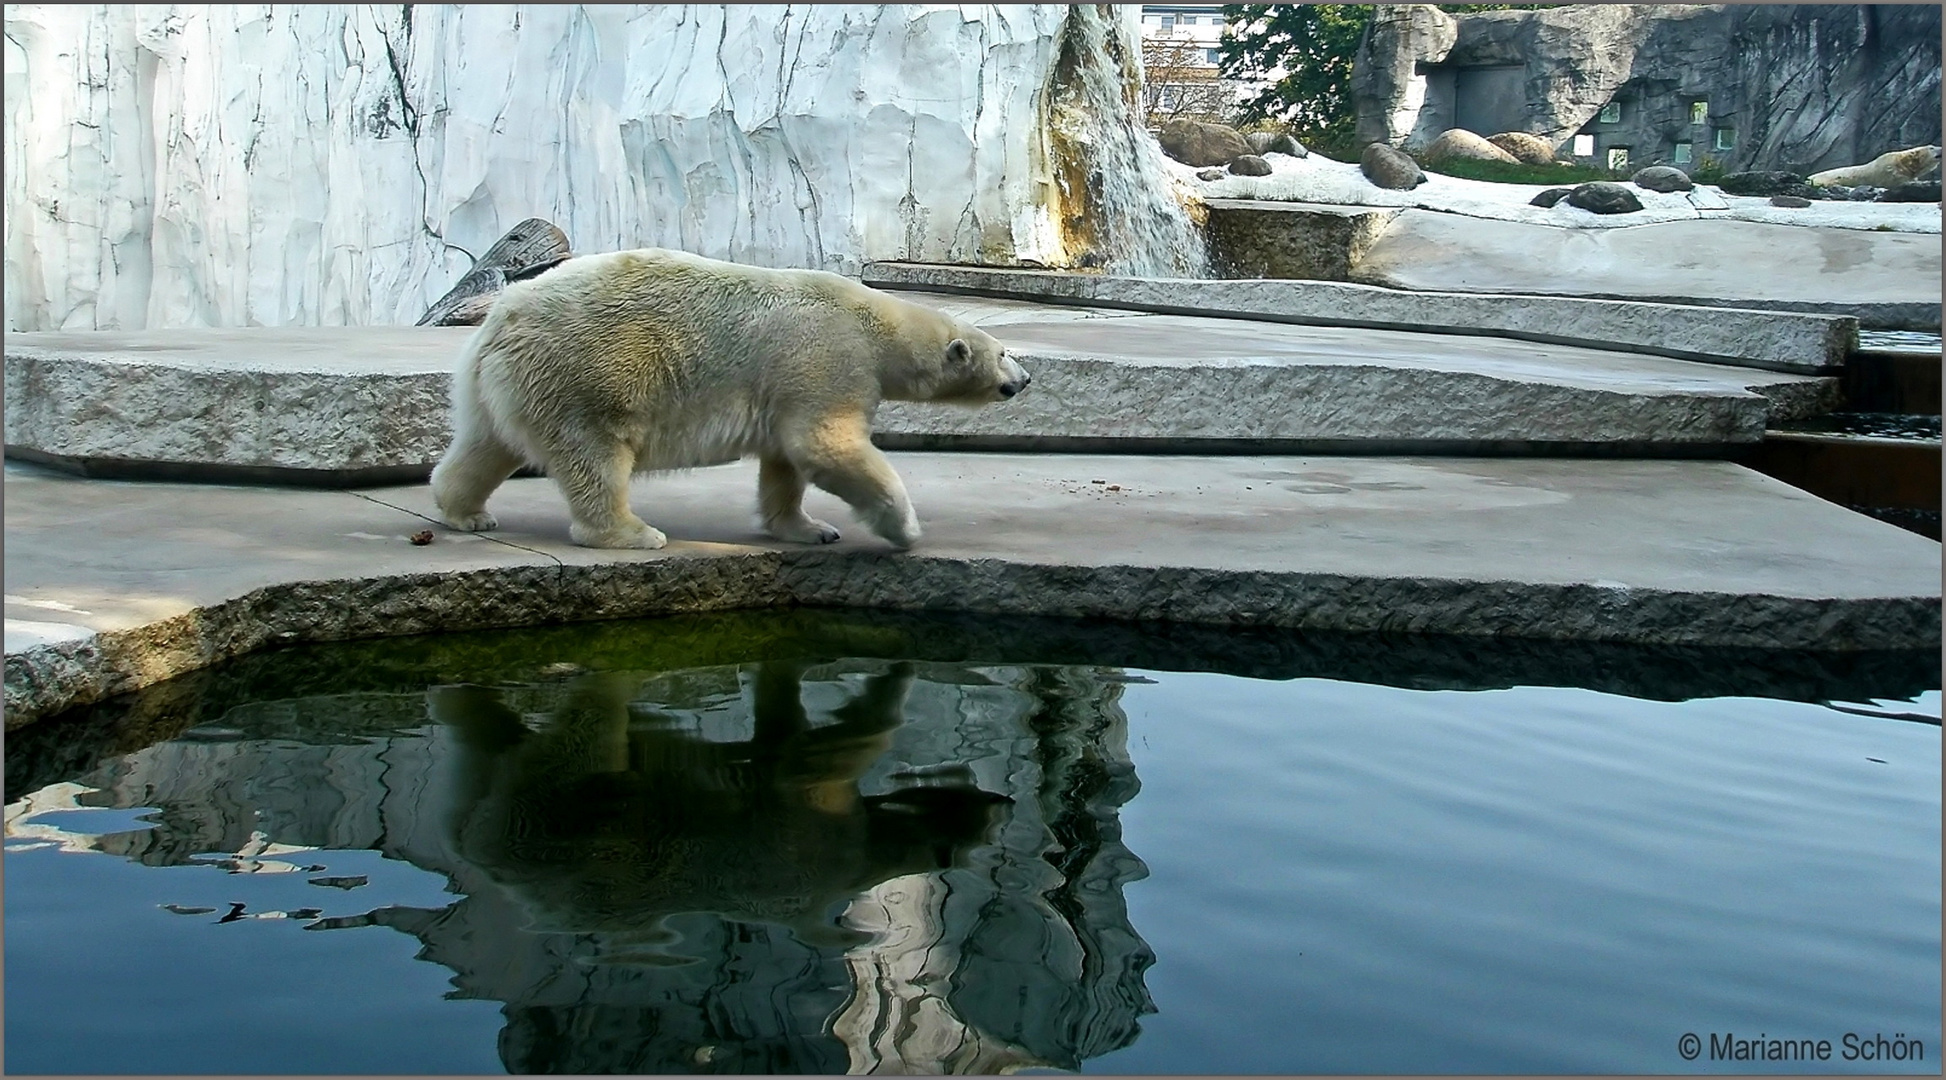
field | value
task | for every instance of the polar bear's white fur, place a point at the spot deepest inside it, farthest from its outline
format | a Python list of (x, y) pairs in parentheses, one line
[(1886, 170), (632, 361)]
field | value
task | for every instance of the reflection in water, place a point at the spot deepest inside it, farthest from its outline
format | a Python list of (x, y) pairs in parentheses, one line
[(861, 865)]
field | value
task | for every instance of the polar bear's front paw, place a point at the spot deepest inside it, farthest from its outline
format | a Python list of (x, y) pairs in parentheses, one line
[(805, 530), (636, 534), (480, 522)]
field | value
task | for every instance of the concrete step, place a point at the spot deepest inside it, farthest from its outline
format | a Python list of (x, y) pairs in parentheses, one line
[(1779, 341), (351, 405)]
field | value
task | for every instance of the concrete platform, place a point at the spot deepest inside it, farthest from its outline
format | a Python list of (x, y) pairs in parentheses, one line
[(340, 406), (1887, 280), (1803, 343), (113, 585)]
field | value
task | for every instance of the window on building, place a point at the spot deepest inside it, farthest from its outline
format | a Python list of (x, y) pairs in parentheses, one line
[(1584, 146), (1699, 112), (1189, 20), (1617, 158), (1611, 113), (1213, 55), (1168, 23), (1726, 138), (1685, 153)]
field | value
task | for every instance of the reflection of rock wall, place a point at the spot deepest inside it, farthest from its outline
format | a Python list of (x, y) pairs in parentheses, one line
[(223, 165), (1803, 87), (774, 867)]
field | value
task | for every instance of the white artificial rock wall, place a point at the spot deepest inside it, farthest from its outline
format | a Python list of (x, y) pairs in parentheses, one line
[(241, 165)]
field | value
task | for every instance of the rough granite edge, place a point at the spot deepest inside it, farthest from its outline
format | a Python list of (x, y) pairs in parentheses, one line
[(1799, 342), (50, 679)]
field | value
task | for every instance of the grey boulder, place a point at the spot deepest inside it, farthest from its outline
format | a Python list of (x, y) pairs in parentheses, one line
[(1664, 178), (1531, 149), (1549, 197), (1604, 197), (1194, 142), (1276, 142), (1766, 183), (1390, 168), (1461, 143), (1249, 165), (1917, 191)]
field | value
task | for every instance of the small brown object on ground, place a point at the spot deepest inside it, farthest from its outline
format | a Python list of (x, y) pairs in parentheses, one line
[(421, 538)]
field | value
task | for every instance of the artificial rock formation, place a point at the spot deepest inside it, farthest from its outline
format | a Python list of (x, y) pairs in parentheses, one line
[(216, 165), (1800, 87)]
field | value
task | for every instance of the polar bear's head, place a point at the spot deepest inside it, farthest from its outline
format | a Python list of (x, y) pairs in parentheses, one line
[(1919, 161), (974, 369)]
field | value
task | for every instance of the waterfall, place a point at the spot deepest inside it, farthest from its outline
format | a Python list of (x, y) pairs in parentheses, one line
[(1117, 203)]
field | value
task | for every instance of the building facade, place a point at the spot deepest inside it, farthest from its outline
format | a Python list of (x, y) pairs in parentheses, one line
[(1180, 58)]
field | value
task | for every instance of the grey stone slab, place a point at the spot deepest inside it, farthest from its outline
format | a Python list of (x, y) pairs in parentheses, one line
[(116, 585), (1779, 341), (361, 405), (319, 399), (1887, 280), (1255, 238), (1165, 382)]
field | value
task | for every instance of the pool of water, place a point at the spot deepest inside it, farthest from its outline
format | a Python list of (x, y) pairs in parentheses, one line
[(1877, 425), (1902, 340), (835, 841)]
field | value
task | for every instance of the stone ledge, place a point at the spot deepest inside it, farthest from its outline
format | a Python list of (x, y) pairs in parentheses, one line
[(348, 406), (115, 586), (1771, 340), (46, 679)]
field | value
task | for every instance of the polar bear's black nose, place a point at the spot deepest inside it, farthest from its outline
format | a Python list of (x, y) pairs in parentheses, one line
[(1009, 389)]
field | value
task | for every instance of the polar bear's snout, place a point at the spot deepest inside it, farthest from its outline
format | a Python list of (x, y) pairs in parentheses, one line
[(1017, 378)]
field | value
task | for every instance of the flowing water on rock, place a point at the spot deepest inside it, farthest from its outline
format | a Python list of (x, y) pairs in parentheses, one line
[(838, 841), (1117, 202)]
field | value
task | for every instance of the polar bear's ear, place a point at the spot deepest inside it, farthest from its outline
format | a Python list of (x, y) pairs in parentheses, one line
[(959, 352)]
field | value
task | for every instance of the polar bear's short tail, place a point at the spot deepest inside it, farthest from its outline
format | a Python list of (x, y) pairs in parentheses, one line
[(473, 412)]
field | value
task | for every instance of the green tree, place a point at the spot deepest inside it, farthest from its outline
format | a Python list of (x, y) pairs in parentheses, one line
[(1313, 45)]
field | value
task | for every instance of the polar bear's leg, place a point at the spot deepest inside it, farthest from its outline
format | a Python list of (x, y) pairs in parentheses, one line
[(595, 480), (839, 457), (780, 504), (473, 467)]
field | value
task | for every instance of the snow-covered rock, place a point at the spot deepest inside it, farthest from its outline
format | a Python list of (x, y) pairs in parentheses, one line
[(235, 165), (1318, 179)]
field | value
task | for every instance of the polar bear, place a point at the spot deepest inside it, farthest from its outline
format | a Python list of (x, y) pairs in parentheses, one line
[(633, 361), (1886, 170)]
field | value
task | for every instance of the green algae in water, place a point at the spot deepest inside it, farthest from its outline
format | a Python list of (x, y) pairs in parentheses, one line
[(827, 841)]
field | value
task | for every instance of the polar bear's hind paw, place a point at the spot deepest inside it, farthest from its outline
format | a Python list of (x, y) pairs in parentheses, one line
[(480, 522), (639, 535)]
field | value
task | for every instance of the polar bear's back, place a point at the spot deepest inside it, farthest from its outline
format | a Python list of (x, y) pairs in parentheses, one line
[(690, 359), (668, 316)]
